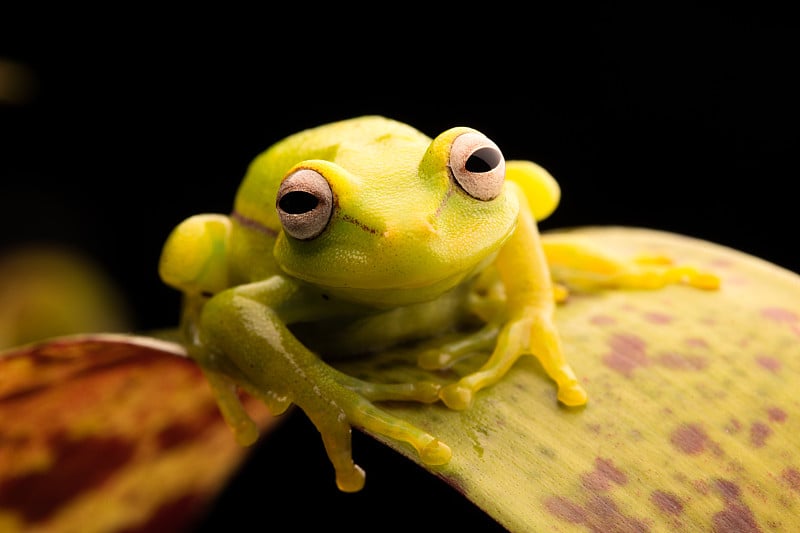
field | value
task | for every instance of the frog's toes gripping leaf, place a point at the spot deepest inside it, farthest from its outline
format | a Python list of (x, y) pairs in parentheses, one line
[(360, 412)]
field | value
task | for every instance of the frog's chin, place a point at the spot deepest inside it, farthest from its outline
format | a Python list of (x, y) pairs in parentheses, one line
[(389, 295)]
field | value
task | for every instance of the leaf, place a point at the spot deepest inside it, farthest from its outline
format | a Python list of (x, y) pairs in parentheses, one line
[(48, 291), (110, 433), (693, 421)]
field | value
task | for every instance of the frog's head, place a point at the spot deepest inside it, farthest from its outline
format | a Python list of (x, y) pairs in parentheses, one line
[(397, 219)]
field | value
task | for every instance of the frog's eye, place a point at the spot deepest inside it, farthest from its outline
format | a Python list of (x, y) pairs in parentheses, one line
[(478, 166), (304, 203)]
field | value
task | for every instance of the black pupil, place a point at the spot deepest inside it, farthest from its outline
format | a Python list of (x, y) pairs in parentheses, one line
[(298, 202), (482, 160)]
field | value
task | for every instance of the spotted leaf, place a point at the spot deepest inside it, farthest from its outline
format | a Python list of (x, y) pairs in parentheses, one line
[(693, 420)]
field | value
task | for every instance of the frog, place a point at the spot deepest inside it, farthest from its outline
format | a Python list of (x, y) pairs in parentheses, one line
[(351, 237)]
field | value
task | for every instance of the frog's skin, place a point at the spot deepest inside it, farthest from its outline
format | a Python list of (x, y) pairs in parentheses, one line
[(364, 233)]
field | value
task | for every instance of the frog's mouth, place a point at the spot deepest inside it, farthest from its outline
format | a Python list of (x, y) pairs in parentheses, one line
[(394, 295), (387, 272)]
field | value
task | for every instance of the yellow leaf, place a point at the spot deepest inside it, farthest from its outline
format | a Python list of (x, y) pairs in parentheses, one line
[(693, 422)]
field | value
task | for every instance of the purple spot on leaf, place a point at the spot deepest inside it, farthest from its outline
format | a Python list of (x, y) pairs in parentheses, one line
[(658, 318), (603, 475), (696, 342), (769, 363), (627, 354), (734, 426), (676, 361), (722, 263), (690, 439), (728, 489), (735, 518), (565, 509), (776, 414), (667, 502), (792, 477), (602, 320), (759, 433), (779, 314)]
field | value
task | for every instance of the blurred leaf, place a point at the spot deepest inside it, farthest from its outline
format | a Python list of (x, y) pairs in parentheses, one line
[(693, 421), (109, 433), (48, 291), (17, 82)]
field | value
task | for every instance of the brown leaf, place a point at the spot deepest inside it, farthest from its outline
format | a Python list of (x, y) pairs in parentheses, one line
[(110, 433)]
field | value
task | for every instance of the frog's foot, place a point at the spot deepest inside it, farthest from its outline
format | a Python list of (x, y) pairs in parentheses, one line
[(529, 335), (341, 401), (657, 271), (334, 408), (560, 293), (582, 266), (420, 391), (448, 354), (335, 415), (431, 450), (334, 428), (225, 391)]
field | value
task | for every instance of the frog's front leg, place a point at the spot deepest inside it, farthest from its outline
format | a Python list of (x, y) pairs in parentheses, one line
[(525, 326), (243, 340)]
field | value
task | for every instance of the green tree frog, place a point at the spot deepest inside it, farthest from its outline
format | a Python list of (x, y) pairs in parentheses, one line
[(355, 236)]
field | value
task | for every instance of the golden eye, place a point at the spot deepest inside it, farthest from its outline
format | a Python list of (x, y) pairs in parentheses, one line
[(478, 166), (304, 203)]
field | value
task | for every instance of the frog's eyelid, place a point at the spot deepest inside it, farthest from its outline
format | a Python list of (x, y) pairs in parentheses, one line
[(304, 203), (477, 165)]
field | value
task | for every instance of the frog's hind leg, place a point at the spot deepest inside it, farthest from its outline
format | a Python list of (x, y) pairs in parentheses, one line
[(335, 430), (582, 266), (431, 450), (334, 424), (418, 391), (226, 393)]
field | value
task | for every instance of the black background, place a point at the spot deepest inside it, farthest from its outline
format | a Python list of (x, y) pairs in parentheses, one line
[(680, 120)]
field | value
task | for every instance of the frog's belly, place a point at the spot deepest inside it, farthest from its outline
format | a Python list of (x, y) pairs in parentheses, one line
[(385, 329)]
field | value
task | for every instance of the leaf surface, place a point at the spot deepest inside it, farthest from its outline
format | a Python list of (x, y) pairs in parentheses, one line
[(693, 421), (109, 433)]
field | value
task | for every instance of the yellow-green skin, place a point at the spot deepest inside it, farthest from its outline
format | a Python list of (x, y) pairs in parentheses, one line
[(407, 253)]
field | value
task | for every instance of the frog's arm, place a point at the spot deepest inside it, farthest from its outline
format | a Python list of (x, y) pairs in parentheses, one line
[(193, 261), (526, 266), (240, 338), (194, 257), (248, 324), (526, 326)]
